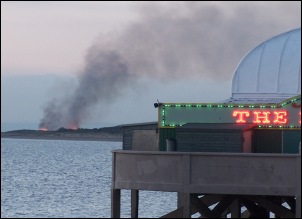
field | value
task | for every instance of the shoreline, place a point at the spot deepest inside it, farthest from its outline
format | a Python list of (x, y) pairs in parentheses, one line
[(113, 134), (69, 138)]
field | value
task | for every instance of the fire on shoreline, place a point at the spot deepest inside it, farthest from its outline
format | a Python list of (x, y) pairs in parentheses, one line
[(70, 126), (73, 126)]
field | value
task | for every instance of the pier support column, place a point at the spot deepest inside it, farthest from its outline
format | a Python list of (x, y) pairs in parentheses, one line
[(236, 209), (115, 203), (298, 185), (186, 205), (180, 201), (298, 207), (134, 203)]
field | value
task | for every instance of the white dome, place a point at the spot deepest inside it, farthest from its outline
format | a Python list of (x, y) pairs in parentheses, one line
[(270, 70)]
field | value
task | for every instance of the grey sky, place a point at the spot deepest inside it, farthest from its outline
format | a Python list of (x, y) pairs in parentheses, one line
[(195, 45)]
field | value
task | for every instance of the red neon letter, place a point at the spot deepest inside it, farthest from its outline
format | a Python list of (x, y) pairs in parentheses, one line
[(280, 117), (261, 115), (241, 116)]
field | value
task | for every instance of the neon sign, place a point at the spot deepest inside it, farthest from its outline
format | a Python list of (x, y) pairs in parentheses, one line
[(241, 116), (261, 117), (286, 114)]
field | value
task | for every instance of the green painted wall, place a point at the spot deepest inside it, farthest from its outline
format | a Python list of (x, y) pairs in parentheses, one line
[(291, 141), (276, 141), (164, 134), (267, 141)]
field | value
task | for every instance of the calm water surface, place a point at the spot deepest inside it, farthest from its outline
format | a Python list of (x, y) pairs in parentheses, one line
[(55, 178)]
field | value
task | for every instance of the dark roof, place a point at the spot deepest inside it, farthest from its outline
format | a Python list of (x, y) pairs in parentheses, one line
[(140, 124)]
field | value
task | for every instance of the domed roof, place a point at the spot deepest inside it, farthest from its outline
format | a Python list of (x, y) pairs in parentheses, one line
[(270, 70)]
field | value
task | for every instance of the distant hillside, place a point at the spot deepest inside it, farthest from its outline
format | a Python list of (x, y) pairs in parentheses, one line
[(105, 133), (112, 130)]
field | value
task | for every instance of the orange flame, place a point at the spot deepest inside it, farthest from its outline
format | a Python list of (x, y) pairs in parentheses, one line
[(43, 129), (73, 126)]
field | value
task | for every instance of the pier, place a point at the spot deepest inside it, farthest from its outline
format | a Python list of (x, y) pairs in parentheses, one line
[(238, 158), (240, 184)]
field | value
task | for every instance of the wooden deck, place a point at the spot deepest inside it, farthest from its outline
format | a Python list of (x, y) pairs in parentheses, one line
[(259, 182)]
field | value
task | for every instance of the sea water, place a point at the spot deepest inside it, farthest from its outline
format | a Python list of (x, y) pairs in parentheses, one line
[(58, 179)]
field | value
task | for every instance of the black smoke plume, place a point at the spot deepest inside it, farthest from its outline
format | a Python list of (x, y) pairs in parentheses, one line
[(186, 39)]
